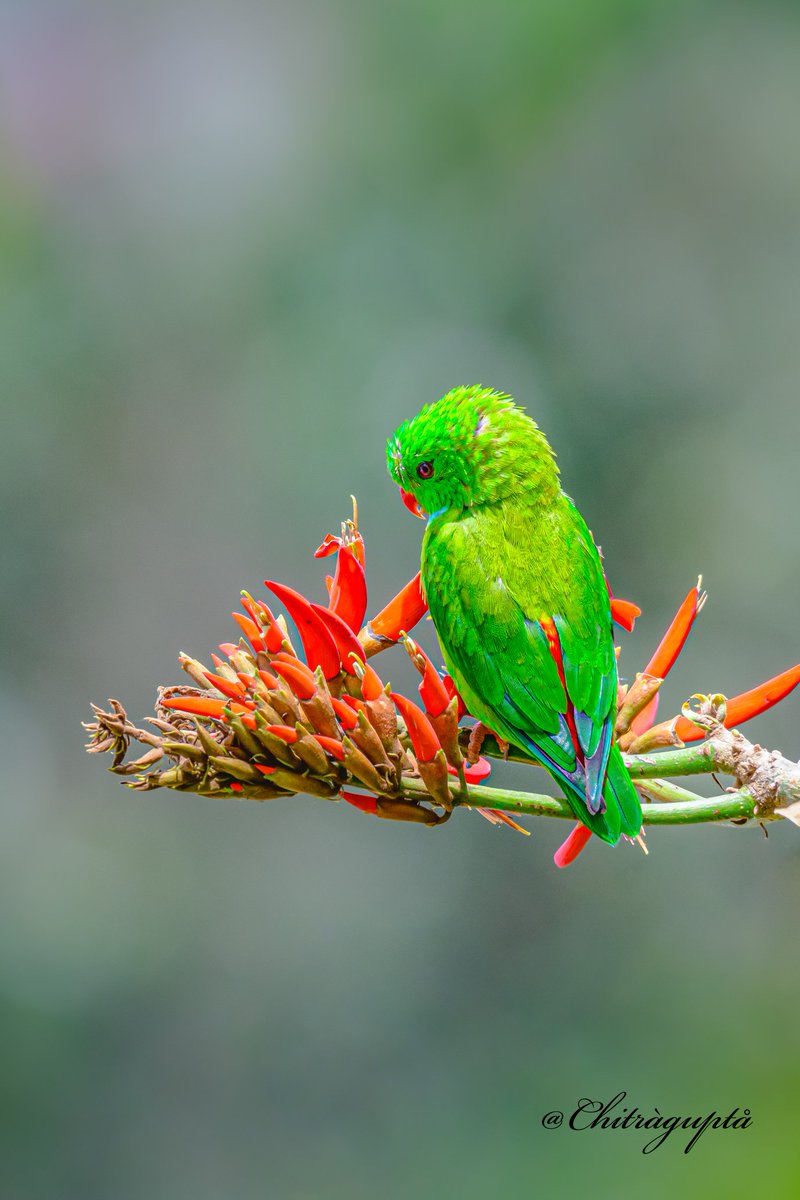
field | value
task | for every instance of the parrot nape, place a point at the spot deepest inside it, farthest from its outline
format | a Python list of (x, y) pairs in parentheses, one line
[(517, 594)]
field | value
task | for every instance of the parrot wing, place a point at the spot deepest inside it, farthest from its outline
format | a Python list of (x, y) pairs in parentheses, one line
[(532, 651)]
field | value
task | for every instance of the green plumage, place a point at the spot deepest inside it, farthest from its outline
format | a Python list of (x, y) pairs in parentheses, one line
[(517, 594)]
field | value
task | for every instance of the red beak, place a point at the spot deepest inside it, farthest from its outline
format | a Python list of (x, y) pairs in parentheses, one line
[(411, 504)]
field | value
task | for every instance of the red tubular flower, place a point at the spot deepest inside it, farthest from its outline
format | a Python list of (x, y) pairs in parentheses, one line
[(423, 736), (200, 706), (317, 642), (748, 704), (270, 632), (299, 678), (269, 680), (624, 613), (264, 769), (227, 648), (346, 641), (569, 850), (402, 613), (432, 690)]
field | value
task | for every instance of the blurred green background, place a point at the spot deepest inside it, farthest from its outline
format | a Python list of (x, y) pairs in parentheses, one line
[(238, 244)]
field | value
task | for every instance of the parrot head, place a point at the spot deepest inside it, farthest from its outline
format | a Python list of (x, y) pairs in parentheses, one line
[(474, 446)]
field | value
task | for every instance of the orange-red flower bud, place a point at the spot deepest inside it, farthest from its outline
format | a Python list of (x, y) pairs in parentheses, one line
[(251, 631), (284, 732), (432, 690), (228, 687), (200, 706), (330, 745), (299, 678), (347, 717), (371, 686), (367, 804)]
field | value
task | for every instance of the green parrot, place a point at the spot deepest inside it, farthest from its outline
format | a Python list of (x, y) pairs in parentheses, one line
[(517, 594)]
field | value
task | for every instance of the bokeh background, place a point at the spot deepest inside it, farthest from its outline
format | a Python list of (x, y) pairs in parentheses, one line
[(238, 244)]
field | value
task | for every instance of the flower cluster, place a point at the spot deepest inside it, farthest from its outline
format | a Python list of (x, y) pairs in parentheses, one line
[(273, 719)]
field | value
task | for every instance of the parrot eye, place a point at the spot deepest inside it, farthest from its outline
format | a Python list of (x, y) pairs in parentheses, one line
[(425, 470)]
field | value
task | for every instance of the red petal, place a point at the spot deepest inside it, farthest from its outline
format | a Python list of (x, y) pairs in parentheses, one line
[(226, 648), (263, 768), (624, 613), (317, 642), (402, 613), (569, 850), (749, 704), (423, 736), (476, 772), (348, 597), (346, 641)]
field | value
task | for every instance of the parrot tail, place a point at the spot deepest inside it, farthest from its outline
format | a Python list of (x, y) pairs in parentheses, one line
[(622, 810)]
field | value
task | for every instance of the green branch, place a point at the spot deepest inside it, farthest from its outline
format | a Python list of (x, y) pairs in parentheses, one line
[(690, 810)]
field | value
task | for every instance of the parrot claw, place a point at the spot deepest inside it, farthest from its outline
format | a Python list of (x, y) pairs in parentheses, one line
[(476, 740)]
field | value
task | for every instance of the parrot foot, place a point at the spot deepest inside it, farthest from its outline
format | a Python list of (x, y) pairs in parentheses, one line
[(476, 740)]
